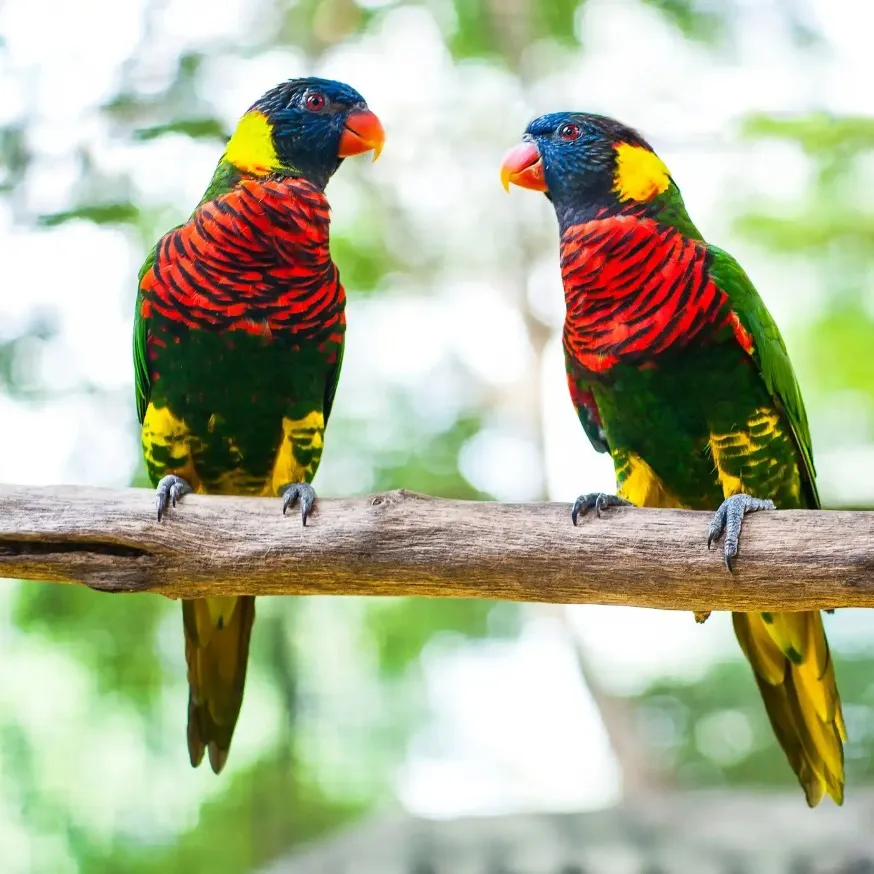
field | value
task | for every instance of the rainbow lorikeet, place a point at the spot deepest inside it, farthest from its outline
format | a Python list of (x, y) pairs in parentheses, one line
[(677, 369), (238, 342)]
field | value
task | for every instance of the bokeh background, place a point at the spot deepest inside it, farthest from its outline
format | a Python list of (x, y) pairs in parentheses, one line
[(112, 116)]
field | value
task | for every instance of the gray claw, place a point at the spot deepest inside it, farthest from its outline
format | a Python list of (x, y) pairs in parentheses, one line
[(303, 492), (169, 490), (728, 520), (598, 501)]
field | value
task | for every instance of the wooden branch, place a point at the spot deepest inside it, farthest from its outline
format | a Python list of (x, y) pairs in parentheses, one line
[(401, 543)]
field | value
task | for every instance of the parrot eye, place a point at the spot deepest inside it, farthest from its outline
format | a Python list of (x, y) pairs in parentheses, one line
[(569, 131), (314, 100)]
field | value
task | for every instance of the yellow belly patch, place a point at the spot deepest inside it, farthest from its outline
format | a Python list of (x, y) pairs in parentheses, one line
[(638, 483), (299, 453)]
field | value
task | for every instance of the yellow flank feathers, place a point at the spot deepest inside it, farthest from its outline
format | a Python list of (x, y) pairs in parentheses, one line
[(742, 449), (639, 484), (640, 173), (299, 453), (166, 444), (251, 147), (162, 428)]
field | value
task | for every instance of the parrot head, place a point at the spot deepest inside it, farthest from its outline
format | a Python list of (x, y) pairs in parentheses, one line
[(585, 161), (304, 127)]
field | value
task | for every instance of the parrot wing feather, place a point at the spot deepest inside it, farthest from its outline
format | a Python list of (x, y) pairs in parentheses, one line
[(769, 353), (585, 404), (333, 382), (142, 382)]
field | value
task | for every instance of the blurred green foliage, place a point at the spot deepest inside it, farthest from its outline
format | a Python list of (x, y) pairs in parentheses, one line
[(713, 732), (262, 811), (829, 228)]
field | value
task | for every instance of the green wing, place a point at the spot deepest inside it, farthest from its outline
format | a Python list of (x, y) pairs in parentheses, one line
[(333, 382), (142, 385), (584, 403), (769, 352)]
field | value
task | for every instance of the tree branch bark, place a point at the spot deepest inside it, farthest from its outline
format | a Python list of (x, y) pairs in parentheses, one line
[(400, 543)]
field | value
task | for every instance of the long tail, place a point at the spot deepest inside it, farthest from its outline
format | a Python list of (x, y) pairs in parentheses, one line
[(217, 632), (793, 667)]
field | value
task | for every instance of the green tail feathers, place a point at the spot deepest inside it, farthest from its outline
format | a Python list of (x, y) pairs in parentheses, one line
[(217, 634)]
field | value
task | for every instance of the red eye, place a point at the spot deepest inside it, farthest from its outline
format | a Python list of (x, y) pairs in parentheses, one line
[(314, 100), (569, 131)]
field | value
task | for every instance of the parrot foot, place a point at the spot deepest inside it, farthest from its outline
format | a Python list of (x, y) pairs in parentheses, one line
[(729, 519), (596, 501), (302, 492), (168, 491)]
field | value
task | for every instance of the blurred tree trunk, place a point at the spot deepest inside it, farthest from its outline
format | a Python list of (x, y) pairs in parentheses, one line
[(641, 774)]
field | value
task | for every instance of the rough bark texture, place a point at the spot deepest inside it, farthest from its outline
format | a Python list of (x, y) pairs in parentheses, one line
[(401, 543), (692, 833)]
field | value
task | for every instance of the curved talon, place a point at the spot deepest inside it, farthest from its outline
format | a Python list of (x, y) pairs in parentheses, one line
[(728, 520), (169, 490), (303, 492), (596, 501)]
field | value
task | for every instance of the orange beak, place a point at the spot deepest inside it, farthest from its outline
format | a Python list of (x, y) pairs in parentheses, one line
[(523, 167), (363, 132)]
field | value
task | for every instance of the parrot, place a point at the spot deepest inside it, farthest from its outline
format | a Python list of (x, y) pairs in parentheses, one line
[(677, 369), (238, 340)]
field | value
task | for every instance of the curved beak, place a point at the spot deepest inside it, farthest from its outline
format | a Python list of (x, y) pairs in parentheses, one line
[(362, 133), (523, 166)]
